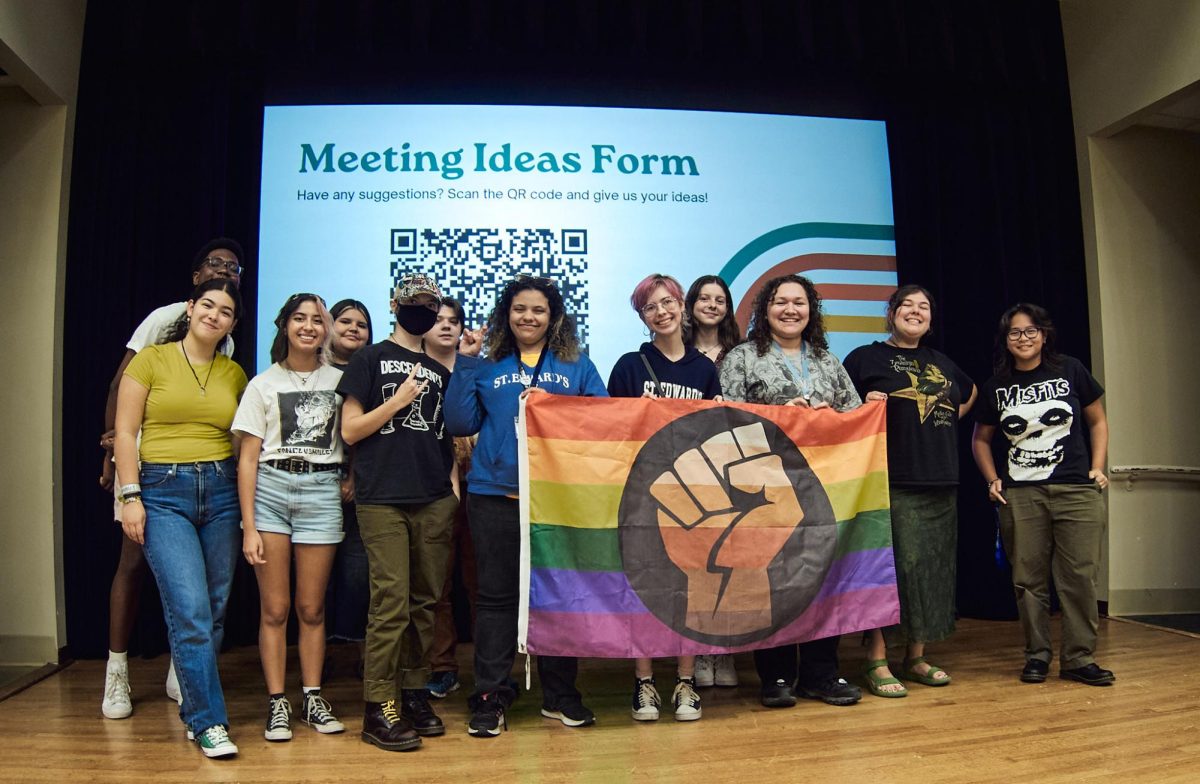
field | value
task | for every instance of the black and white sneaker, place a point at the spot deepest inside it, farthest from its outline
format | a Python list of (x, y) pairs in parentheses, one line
[(487, 718), (279, 720), (646, 701), (686, 700), (318, 714), (572, 713)]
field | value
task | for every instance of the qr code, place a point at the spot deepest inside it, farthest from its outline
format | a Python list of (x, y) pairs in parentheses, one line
[(472, 265)]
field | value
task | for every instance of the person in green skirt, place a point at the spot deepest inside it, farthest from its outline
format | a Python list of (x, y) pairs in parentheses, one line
[(926, 395)]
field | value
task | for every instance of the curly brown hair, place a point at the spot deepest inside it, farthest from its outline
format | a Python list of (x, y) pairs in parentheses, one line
[(561, 337), (759, 332)]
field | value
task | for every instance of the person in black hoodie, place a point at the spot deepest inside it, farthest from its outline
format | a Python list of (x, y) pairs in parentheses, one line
[(664, 368)]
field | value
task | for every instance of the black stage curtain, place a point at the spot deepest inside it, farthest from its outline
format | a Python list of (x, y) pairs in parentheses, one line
[(168, 141)]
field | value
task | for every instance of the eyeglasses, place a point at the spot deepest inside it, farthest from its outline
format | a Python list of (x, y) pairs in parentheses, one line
[(1029, 332), (216, 264), (666, 303)]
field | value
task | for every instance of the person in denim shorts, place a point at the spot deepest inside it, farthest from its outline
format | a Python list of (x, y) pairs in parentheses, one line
[(182, 395), (289, 481)]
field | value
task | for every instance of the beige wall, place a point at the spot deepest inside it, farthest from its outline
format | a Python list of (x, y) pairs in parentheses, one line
[(39, 48), (1140, 192)]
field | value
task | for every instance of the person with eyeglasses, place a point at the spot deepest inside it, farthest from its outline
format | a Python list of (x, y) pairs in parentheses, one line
[(289, 485), (406, 491), (218, 258), (664, 368), (532, 348), (1048, 483), (786, 361), (179, 492), (927, 395)]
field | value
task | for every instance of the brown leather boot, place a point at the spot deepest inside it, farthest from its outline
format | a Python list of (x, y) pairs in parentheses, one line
[(385, 728)]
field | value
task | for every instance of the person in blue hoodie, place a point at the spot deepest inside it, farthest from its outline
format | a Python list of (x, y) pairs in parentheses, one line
[(664, 368), (532, 348)]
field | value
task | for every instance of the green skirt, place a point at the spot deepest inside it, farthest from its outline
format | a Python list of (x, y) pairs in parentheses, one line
[(925, 542)]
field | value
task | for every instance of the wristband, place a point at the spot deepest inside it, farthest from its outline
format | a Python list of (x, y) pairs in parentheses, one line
[(129, 489)]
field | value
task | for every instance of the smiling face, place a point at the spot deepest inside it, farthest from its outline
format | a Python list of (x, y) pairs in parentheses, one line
[(529, 318), (350, 332), (912, 318), (211, 317), (447, 329), (220, 263), (662, 312), (1026, 351), (305, 329), (711, 306), (787, 314)]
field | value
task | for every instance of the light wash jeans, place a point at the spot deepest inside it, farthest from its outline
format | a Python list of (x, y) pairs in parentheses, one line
[(193, 539)]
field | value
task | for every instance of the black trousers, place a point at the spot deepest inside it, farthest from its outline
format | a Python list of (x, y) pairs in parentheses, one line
[(810, 663), (495, 532)]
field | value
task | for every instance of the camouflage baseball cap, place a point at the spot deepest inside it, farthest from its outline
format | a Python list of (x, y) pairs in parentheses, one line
[(416, 283)]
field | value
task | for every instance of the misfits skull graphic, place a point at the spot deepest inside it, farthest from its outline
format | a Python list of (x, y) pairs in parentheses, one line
[(1038, 433)]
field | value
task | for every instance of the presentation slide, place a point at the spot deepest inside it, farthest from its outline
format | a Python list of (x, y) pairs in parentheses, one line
[(596, 199)]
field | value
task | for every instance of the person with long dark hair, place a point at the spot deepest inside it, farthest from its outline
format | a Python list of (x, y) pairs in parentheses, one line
[(182, 396), (709, 324), (532, 348), (664, 368), (786, 361), (289, 483), (1048, 485), (926, 395)]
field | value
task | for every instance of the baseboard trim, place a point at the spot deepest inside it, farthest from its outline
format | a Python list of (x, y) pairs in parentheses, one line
[(1153, 601)]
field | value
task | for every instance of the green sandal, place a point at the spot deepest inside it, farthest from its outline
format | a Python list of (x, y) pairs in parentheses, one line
[(909, 674), (875, 683)]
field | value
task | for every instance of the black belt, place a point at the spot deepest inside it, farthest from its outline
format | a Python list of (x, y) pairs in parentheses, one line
[(296, 465)]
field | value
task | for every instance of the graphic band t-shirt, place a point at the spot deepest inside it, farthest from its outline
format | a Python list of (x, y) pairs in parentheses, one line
[(924, 389), (1040, 413), (295, 414), (408, 460)]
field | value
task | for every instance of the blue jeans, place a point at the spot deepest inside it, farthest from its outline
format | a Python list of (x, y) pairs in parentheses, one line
[(193, 539)]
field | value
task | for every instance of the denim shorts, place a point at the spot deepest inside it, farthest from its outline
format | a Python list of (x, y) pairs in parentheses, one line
[(305, 507)]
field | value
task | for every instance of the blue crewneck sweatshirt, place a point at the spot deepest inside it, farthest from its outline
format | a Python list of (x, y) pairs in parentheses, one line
[(483, 398)]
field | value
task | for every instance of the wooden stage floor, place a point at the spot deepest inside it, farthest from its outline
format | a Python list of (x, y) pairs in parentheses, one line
[(985, 727)]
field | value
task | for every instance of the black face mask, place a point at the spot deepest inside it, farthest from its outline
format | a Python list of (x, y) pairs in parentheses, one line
[(415, 319)]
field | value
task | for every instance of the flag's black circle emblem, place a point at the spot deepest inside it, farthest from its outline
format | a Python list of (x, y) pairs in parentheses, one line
[(726, 533)]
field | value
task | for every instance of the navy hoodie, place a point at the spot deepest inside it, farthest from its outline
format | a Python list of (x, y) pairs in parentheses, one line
[(483, 398), (693, 377)]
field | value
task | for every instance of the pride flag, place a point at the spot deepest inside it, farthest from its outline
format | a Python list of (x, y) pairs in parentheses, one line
[(667, 527)]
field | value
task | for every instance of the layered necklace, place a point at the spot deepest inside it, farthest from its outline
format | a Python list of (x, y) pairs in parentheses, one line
[(296, 376), (207, 376)]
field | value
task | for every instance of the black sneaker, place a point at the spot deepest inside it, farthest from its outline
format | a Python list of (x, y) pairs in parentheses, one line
[(317, 713), (487, 717), (414, 706), (779, 694), (572, 713), (834, 691), (1035, 671), (646, 701), (1091, 674), (279, 720)]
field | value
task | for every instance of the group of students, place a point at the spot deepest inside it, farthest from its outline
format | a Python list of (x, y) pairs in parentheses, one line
[(340, 437)]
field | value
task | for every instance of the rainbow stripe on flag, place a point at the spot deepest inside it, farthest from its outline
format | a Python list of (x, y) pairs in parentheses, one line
[(668, 527)]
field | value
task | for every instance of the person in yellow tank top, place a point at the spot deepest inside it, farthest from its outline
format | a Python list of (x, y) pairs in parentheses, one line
[(184, 511)]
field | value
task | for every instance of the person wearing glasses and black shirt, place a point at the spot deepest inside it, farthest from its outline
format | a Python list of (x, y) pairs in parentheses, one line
[(1048, 486), (218, 258)]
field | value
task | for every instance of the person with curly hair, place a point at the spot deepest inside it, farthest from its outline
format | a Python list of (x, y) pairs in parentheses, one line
[(532, 348), (786, 361)]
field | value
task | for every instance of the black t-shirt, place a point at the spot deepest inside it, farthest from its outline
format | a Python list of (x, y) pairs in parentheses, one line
[(1040, 412), (408, 461), (924, 391), (693, 377)]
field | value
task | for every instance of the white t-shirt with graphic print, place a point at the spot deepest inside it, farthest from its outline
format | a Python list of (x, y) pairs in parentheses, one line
[(295, 414)]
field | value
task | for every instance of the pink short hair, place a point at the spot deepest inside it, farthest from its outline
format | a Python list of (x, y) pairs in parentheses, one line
[(641, 292)]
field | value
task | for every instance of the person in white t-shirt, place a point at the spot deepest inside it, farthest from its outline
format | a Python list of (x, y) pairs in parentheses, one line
[(219, 258), (289, 483)]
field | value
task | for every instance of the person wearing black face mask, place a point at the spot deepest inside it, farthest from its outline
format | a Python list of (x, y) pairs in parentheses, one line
[(406, 492)]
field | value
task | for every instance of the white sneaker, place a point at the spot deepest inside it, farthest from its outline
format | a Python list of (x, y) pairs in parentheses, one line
[(173, 684), (704, 671), (686, 700), (215, 742), (726, 674), (118, 702), (645, 700)]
